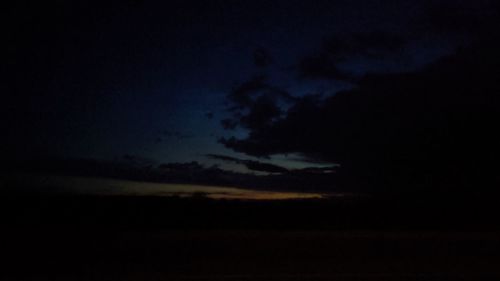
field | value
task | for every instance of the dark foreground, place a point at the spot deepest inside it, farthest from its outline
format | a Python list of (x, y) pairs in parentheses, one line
[(199, 239), (249, 255)]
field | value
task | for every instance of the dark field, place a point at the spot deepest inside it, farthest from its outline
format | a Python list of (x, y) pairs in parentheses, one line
[(187, 239), (249, 255)]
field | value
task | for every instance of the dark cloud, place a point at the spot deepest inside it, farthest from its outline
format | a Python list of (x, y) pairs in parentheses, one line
[(321, 66), (374, 44), (277, 179), (431, 129), (126, 167), (282, 136), (429, 25), (251, 164), (341, 48), (346, 47), (138, 160), (263, 111), (246, 93), (229, 124), (255, 104), (188, 166), (318, 170)]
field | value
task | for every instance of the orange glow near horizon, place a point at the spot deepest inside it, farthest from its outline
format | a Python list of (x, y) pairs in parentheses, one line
[(115, 187)]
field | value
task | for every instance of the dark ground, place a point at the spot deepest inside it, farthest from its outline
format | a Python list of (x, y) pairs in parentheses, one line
[(105, 238)]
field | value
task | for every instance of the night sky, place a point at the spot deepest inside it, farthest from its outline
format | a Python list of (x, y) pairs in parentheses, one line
[(392, 93)]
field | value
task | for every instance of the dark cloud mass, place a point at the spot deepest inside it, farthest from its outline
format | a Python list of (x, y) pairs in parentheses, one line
[(431, 129), (246, 93), (255, 103), (321, 66), (374, 45)]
